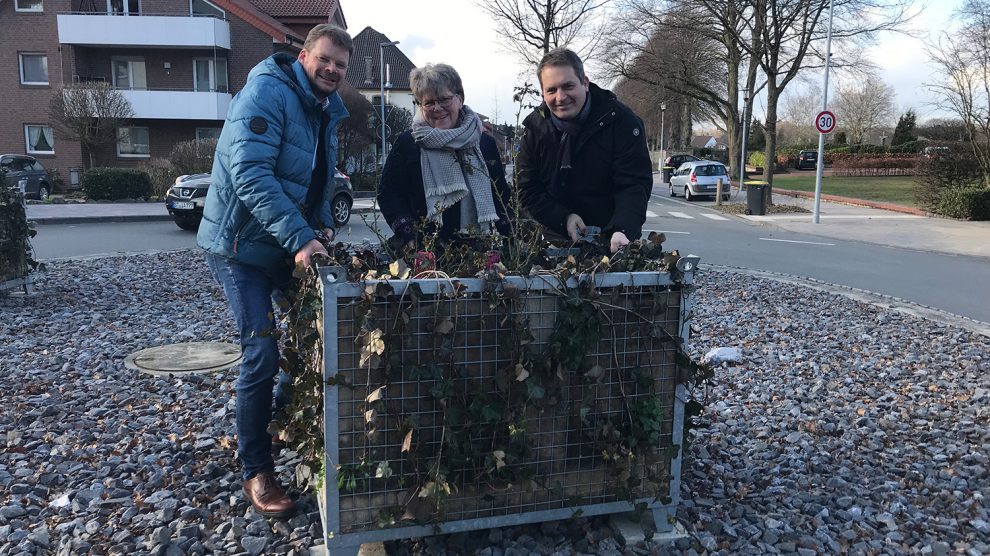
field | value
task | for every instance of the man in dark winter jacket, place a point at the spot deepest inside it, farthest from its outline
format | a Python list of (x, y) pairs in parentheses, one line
[(583, 160), (272, 172)]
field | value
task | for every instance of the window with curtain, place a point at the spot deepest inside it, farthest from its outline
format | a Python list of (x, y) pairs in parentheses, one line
[(39, 139), (133, 142), (34, 69), (28, 6), (123, 7), (210, 75), (129, 73)]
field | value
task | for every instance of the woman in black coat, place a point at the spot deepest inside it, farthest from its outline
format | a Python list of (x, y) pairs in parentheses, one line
[(445, 169)]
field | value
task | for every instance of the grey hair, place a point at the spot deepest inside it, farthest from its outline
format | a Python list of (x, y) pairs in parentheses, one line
[(435, 79), (337, 36), (561, 57)]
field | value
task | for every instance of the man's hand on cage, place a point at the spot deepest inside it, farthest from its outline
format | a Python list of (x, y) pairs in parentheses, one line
[(619, 240), (575, 227), (304, 256)]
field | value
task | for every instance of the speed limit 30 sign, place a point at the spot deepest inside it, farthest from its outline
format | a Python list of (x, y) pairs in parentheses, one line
[(825, 121)]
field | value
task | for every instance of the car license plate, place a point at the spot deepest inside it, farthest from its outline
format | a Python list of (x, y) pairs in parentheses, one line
[(183, 205)]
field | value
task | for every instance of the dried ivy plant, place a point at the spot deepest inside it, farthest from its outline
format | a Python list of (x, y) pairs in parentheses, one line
[(485, 439)]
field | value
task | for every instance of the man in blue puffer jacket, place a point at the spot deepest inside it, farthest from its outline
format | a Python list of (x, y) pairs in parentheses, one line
[(272, 173)]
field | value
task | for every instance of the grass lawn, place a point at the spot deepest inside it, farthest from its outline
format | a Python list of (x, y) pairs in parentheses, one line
[(898, 190)]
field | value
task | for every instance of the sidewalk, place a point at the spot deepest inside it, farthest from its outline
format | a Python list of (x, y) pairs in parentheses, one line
[(89, 213), (906, 227)]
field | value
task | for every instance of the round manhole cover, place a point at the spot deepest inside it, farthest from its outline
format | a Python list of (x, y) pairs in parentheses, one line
[(192, 357)]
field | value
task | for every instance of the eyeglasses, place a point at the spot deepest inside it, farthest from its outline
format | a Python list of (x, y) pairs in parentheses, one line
[(443, 102)]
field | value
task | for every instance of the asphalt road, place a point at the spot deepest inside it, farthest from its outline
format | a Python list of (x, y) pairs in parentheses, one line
[(952, 283)]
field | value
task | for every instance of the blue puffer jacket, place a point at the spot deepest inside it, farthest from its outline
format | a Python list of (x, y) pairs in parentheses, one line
[(263, 166)]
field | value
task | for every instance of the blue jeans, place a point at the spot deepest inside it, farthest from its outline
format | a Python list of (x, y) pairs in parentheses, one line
[(249, 291)]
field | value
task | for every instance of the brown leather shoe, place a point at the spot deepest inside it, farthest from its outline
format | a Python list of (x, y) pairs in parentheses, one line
[(267, 496)]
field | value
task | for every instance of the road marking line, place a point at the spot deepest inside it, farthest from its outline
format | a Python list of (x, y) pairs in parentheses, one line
[(647, 232), (680, 215), (714, 216), (651, 214), (795, 241)]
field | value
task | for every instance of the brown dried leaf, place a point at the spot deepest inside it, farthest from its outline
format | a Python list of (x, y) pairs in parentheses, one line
[(445, 326), (407, 441), (521, 372), (375, 395)]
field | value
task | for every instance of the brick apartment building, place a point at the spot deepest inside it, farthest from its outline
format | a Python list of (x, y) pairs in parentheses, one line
[(178, 62)]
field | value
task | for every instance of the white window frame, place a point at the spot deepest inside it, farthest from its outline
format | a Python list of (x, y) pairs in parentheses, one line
[(27, 139), (130, 72), (18, 8), (213, 74), (223, 12), (127, 11), (133, 155), (20, 67)]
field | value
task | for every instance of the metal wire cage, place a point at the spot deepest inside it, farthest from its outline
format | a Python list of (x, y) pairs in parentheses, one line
[(569, 475)]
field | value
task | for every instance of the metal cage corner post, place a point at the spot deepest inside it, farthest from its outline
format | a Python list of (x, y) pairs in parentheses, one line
[(557, 444)]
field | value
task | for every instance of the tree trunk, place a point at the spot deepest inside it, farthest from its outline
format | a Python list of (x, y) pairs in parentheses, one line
[(770, 127)]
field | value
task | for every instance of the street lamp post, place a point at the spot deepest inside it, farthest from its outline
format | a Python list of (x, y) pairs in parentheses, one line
[(381, 83), (821, 136), (663, 107), (742, 146)]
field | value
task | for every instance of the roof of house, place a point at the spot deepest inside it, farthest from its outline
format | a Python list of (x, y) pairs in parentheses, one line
[(363, 70), (260, 20), (699, 141), (297, 8)]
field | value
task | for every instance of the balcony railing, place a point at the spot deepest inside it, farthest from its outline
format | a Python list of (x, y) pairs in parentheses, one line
[(97, 28), (178, 104)]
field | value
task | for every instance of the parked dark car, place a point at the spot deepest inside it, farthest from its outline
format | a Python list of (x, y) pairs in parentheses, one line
[(186, 198), (806, 160), (673, 162), (26, 174)]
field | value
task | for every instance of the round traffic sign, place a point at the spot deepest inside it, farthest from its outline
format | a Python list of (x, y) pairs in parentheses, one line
[(825, 121)]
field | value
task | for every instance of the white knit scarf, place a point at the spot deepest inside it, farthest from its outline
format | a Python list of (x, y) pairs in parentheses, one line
[(453, 166)]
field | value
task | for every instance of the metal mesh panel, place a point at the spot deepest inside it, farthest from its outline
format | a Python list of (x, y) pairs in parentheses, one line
[(569, 471)]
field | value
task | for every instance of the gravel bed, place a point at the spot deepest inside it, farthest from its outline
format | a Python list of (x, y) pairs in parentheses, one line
[(846, 429), (776, 208)]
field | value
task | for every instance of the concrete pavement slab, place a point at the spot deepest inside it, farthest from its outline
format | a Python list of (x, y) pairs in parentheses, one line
[(79, 213), (82, 213)]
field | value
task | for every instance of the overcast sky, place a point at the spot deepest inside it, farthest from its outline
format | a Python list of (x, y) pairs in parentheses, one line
[(460, 34)]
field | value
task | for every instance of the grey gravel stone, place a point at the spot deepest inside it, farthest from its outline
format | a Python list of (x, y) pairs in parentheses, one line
[(845, 426)]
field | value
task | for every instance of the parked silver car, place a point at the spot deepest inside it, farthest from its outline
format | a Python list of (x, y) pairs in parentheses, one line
[(698, 178)]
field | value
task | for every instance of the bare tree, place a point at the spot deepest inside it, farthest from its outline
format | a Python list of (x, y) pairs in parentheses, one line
[(793, 36), (864, 107), (534, 27), (89, 113), (796, 127), (963, 62), (692, 50)]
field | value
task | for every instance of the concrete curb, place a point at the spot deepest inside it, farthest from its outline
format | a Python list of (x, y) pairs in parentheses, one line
[(101, 219), (852, 201)]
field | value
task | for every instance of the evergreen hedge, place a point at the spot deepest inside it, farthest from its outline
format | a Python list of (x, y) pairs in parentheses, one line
[(111, 184)]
